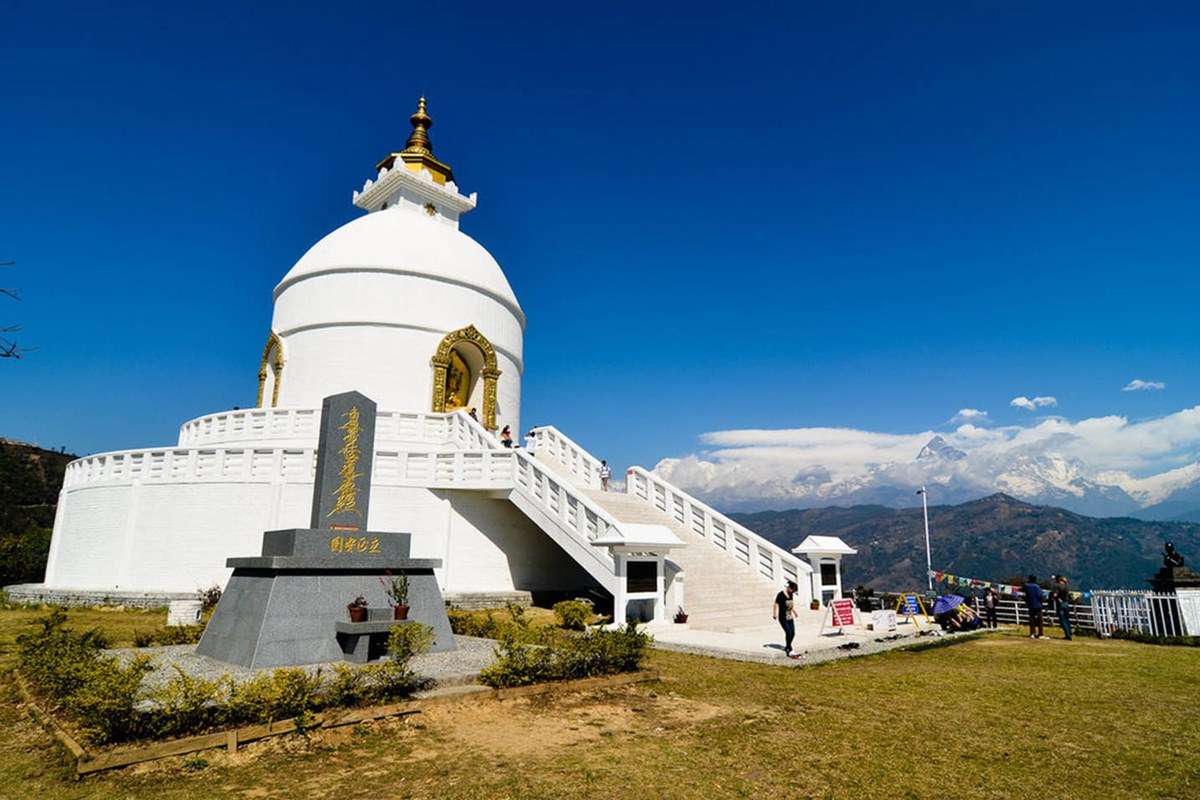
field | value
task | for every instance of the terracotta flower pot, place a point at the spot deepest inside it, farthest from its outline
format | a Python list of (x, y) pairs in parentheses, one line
[(400, 612), (357, 613)]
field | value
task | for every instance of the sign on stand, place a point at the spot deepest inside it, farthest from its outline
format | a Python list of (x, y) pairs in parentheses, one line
[(909, 606), (838, 614)]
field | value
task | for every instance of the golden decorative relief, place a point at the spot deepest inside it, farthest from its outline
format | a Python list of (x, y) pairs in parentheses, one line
[(274, 346), (346, 493), (442, 362)]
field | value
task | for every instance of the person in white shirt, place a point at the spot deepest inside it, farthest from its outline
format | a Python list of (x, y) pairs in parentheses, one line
[(605, 474)]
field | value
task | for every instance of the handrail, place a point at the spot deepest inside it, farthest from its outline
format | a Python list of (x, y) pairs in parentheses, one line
[(736, 540), (562, 449)]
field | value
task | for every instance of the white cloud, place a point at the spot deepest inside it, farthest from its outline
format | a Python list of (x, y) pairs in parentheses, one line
[(818, 466), (1139, 385), (1021, 401), (967, 414)]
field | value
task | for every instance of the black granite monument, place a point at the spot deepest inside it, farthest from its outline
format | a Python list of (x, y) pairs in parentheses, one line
[(288, 606)]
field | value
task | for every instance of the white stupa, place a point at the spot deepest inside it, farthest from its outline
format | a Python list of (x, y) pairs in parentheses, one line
[(404, 307)]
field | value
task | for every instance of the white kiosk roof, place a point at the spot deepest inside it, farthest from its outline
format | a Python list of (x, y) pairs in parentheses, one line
[(825, 545)]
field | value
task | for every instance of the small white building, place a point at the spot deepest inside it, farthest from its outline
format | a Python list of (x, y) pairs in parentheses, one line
[(824, 556), (401, 305)]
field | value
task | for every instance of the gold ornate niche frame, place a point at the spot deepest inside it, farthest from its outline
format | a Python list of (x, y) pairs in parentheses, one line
[(274, 344), (490, 373)]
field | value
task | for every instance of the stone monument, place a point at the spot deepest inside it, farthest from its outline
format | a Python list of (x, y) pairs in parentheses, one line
[(287, 606)]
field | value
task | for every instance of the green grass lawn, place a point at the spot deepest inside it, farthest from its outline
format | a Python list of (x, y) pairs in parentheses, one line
[(997, 717)]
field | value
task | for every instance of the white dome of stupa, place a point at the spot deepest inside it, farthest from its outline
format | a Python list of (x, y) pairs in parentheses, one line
[(399, 304), (392, 240)]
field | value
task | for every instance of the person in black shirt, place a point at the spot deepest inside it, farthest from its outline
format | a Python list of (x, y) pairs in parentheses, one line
[(990, 602), (784, 610), (1062, 603)]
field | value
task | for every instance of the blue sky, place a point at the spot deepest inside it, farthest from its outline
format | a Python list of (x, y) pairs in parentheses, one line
[(754, 216)]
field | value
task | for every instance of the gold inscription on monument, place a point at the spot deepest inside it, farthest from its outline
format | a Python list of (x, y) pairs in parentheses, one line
[(350, 544), (346, 493)]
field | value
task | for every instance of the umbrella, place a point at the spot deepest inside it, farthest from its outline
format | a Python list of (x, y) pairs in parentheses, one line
[(947, 602)]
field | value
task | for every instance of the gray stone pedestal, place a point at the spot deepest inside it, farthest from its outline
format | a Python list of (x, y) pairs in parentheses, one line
[(284, 608)]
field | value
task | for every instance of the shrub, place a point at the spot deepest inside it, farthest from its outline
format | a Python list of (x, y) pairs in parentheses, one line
[(599, 652), (173, 634), (68, 669), (347, 687), (283, 693), (186, 704), (105, 697), (209, 597), (573, 615), (483, 624), (409, 640), (1149, 638)]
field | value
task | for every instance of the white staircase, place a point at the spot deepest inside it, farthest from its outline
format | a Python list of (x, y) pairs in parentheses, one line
[(731, 574), (720, 593)]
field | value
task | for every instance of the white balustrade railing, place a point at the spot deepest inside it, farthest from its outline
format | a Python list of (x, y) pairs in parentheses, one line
[(489, 468), (579, 462), (737, 541), (302, 426)]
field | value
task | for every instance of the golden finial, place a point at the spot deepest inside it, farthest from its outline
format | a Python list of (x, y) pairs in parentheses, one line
[(418, 150), (418, 141)]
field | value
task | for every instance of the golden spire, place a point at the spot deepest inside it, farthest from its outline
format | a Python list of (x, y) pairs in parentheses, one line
[(419, 142), (418, 150)]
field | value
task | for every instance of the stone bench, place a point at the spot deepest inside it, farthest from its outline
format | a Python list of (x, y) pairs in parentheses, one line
[(365, 641)]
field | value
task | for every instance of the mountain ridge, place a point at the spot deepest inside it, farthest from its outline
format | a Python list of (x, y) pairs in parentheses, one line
[(996, 538)]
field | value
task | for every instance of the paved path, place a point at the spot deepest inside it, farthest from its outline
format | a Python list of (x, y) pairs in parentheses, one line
[(765, 644)]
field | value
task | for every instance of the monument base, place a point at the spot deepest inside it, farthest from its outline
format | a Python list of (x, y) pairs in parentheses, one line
[(283, 608)]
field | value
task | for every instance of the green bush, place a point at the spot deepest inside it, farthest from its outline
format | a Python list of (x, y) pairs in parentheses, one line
[(484, 625), (347, 687), (69, 671), (574, 615), (107, 700), (172, 634), (186, 704), (1149, 638), (599, 652)]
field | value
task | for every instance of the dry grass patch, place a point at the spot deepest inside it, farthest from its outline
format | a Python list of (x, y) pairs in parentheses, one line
[(998, 718)]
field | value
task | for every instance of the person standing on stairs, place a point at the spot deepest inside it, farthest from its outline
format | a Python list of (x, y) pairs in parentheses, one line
[(784, 610), (605, 474)]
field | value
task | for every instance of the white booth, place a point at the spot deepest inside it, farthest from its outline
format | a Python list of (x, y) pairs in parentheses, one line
[(825, 553), (644, 590)]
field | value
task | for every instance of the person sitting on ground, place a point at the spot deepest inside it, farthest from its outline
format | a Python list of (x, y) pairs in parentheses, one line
[(784, 611), (506, 436), (1033, 603), (605, 474)]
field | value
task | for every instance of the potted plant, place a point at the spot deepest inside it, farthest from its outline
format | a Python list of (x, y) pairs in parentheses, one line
[(396, 588), (681, 616), (358, 609), (815, 605)]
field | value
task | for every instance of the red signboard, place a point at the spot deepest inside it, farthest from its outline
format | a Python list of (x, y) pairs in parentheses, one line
[(842, 613)]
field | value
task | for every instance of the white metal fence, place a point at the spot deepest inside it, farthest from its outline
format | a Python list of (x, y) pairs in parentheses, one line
[(1147, 612)]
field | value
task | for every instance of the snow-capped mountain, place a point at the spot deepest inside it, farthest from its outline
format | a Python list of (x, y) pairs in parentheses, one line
[(953, 475)]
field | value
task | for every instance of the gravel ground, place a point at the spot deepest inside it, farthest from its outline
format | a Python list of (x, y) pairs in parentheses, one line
[(457, 667)]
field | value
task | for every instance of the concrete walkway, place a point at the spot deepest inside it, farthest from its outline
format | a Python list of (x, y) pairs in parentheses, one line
[(765, 644)]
